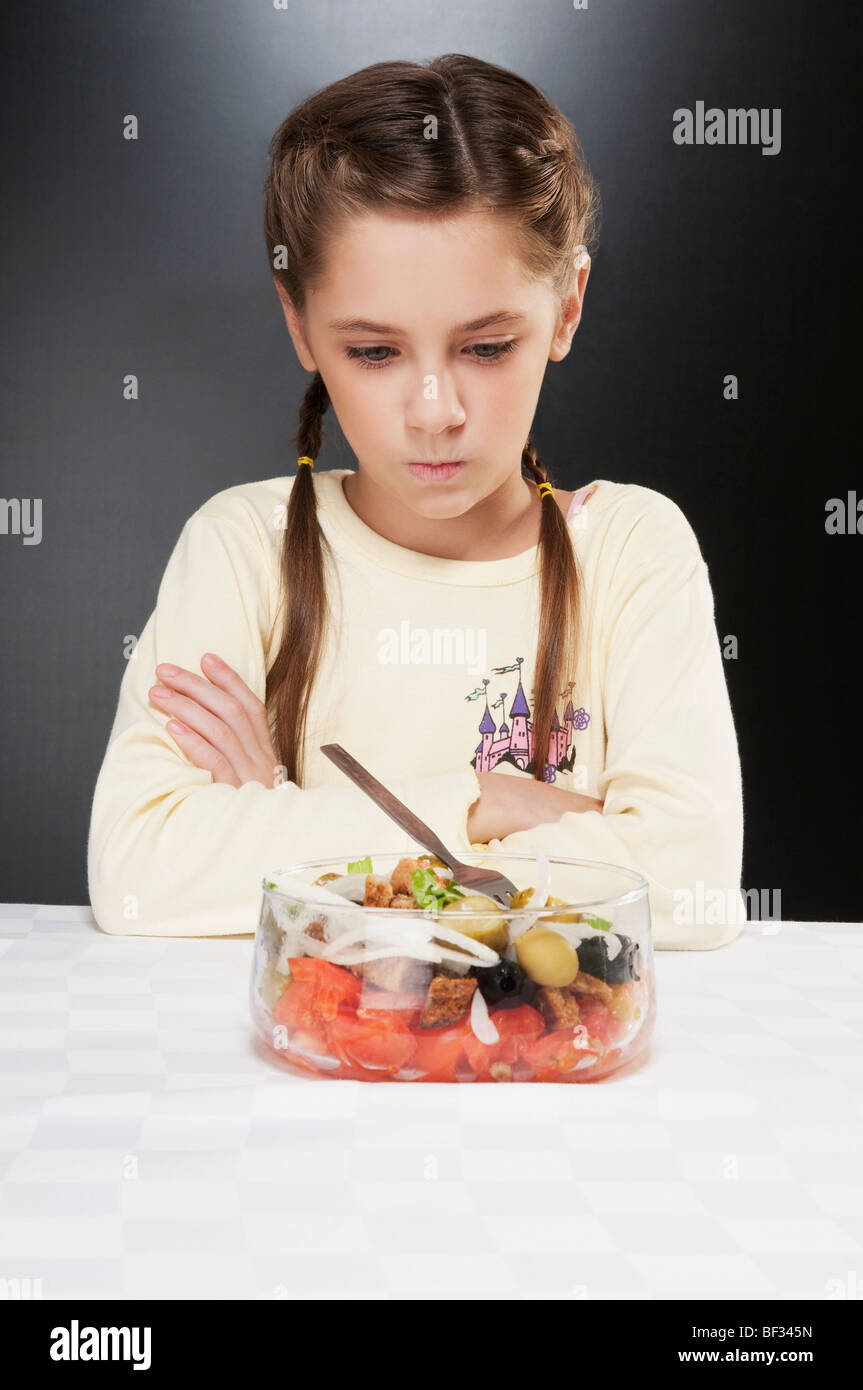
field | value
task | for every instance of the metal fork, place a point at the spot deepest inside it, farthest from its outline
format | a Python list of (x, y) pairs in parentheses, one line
[(467, 875)]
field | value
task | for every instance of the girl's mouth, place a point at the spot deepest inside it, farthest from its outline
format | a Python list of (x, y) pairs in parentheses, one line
[(433, 472)]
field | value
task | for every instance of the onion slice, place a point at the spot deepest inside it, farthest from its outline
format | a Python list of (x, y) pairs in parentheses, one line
[(539, 896), (369, 926), (306, 892), (486, 954), (481, 1025), (358, 957)]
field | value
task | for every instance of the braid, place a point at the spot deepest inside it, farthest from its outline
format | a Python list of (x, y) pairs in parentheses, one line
[(559, 613), (292, 675), (534, 465), (313, 407)]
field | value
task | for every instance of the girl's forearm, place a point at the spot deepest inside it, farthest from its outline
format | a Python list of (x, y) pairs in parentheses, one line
[(537, 803), (508, 804)]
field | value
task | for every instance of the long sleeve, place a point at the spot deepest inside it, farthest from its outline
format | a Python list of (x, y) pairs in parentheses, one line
[(671, 787), (170, 852)]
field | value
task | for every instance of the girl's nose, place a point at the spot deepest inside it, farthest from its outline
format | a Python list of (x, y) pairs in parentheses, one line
[(434, 404)]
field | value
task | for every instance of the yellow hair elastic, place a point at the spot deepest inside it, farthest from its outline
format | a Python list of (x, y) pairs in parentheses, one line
[(547, 486), (305, 459)]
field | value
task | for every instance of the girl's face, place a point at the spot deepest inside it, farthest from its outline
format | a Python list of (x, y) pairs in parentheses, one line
[(433, 342)]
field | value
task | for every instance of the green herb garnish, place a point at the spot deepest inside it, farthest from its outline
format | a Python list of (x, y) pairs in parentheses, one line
[(429, 891), (594, 921), (361, 866)]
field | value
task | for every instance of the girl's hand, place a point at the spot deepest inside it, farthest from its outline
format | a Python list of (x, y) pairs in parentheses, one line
[(219, 723), (508, 804)]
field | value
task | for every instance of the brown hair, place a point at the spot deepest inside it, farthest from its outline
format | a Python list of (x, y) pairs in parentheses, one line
[(358, 145)]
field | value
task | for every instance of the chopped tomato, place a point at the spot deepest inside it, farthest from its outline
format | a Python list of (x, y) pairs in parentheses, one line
[(296, 1014), (333, 987), (598, 1020), (439, 1049), (518, 1030), (608, 1063), (371, 1038), (559, 1051), (296, 1008)]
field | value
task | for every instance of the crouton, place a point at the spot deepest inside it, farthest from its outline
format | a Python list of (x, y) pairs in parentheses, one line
[(500, 1071), (407, 901), (316, 930), (447, 1001), (378, 892), (398, 974), (588, 984), (558, 1007), (401, 875)]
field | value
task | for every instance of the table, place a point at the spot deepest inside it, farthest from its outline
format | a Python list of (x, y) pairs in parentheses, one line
[(151, 1146)]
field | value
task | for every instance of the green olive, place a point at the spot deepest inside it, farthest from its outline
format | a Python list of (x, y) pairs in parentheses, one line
[(432, 861), (562, 916), (546, 957), (489, 929), (521, 900)]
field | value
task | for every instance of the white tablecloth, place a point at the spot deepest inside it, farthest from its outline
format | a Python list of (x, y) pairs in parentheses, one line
[(151, 1146)]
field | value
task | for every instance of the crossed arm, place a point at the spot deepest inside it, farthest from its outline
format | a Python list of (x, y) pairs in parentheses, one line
[(223, 728)]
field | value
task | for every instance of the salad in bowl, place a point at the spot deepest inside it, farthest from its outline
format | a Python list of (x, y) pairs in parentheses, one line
[(387, 969)]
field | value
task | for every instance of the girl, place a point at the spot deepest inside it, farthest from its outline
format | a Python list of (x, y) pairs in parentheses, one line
[(525, 668)]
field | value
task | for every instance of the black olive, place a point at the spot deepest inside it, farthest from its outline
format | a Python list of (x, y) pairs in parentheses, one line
[(503, 983), (593, 959), (625, 964)]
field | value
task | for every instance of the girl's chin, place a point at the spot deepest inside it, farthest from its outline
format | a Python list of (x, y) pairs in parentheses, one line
[(439, 507)]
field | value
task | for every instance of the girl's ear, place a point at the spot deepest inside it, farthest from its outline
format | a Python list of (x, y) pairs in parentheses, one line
[(295, 328), (570, 314)]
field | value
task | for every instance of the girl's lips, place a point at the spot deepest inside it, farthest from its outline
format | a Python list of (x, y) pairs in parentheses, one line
[(431, 472)]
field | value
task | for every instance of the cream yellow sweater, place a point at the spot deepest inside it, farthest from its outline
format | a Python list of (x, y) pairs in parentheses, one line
[(428, 677)]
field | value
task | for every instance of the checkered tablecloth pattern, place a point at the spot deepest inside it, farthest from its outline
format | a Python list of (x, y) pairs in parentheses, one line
[(151, 1146)]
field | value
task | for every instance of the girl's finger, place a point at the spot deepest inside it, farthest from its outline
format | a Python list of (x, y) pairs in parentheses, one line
[(215, 704), (203, 754), (220, 736), (223, 675)]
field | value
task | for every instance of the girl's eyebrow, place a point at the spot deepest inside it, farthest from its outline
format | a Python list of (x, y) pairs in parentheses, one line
[(364, 326)]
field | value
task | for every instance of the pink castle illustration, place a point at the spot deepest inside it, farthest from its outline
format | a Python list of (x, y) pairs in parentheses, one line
[(514, 742)]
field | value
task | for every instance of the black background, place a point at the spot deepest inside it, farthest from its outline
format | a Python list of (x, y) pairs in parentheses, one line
[(148, 257)]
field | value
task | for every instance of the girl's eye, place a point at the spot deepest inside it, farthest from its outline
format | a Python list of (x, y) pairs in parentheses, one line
[(498, 350), (360, 354)]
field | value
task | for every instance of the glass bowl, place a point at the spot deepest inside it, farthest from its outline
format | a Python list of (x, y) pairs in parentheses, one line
[(438, 988)]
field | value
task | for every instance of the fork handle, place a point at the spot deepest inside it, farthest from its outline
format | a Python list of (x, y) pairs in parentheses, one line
[(395, 809)]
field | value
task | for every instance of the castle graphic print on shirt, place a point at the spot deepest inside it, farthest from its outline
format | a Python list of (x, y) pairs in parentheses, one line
[(513, 742)]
